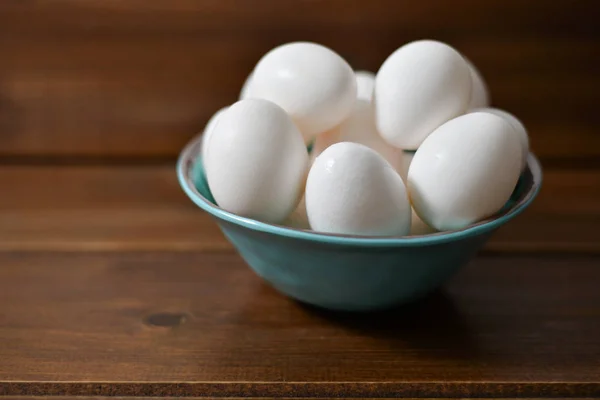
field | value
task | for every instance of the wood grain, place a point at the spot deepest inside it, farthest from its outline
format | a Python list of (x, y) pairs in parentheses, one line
[(231, 398), (169, 324), (139, 78), (112, 283), (236, 398), (142, 208)]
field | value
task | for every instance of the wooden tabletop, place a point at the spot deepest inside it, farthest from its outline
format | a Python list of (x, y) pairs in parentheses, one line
[(112, 283)]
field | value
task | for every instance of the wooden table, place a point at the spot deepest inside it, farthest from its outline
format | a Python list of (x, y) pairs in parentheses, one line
[(113, 284)]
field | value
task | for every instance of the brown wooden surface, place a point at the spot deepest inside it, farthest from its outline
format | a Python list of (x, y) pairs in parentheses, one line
[(75, 208), (233, 398), (112, 283), (201, 323), (94, 77)]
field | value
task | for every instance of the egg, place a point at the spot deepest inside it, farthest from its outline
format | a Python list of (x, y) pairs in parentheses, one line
[(517, 126), (360, 128), (352, 190), (245, 92), (256, 161), (298, 218), (418, 226), (479, 92), (312, 83), (407, 157), (419, 87), (206, 134), (365, 83), (324, 140), (465, 171)]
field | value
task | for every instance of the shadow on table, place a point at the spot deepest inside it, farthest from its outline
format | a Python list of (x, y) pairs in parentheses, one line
[(433, 323)]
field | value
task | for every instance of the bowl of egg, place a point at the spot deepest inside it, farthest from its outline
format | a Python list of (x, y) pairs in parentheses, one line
[(357, 191)]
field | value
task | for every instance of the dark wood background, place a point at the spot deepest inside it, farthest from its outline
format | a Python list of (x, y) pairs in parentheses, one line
[(140, 77), (113, 283)]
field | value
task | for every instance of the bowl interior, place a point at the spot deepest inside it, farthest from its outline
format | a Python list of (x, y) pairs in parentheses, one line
[(193, 181)]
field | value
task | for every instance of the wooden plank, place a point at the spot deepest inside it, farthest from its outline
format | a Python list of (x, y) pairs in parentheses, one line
[(140, 78), (200, 324), (236, 398), (188, 16), (255, 398), (562, 217), (101, 208), (90, 208)]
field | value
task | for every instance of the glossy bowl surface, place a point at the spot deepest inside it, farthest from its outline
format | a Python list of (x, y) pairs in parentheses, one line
[(351, 273)]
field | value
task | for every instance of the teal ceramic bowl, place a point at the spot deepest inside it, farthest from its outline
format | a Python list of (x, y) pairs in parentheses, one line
[(350, 273)]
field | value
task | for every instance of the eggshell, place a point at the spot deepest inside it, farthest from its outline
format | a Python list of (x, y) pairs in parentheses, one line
[(208, 131), (256, 161), (245, 92), (479, 92), (360, 128), (418, 227), (324, 140), (298, 218), (465, 171), (352, 190), (407, 157), (312, 83), (517, 126), (419, 87), (365, 84)]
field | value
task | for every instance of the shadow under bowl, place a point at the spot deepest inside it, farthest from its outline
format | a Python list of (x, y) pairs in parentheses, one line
[(351, 273)]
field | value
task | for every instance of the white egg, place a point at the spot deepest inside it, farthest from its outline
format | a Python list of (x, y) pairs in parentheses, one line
[(245, 92), (360, 128), (365, 83), (418, 226), (479, 92), (464, 171), (312, 83), (352, 190), (419, 87), (517, 126), (298, 218), (407, 157), (208, 131), (256, 161), (324, 140)]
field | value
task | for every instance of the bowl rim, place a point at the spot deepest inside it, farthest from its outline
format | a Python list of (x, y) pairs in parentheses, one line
[(190, 152)]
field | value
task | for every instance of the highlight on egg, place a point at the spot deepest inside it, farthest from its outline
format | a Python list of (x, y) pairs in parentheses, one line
[(311, 82), (412, 150), (465, 171), (206, 134), (419, 87), (352, 190), (359, 127), (517, 126), (256, 161)]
